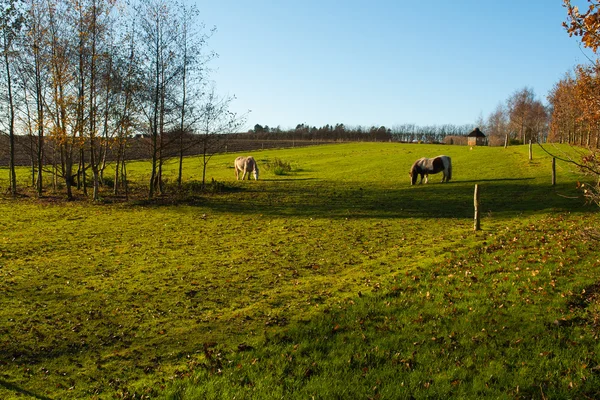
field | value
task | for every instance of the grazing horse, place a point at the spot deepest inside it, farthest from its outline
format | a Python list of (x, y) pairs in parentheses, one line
[(425, 166), (245, 165)]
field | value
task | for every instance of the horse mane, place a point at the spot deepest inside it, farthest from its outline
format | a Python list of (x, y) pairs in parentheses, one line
[(415, 167)]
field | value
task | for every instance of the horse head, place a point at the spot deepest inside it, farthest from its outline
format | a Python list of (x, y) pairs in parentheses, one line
[(414, 173)]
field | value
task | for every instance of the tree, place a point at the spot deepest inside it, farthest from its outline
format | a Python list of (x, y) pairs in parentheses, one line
[(11, 19), (192, 61), (563, 103), (497, 126), (35, 34), (527, 115), (158, 47), (63, 98), (125, 85), (93, 30), (569, 99), (215, 122), (584, 25)]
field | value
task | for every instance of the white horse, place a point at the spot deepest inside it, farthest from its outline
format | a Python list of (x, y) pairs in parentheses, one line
[(425, 166), (245, 165)]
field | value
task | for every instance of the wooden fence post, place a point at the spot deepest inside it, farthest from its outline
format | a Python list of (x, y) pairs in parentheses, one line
[(530, 151), (476, 223), (553, 171)]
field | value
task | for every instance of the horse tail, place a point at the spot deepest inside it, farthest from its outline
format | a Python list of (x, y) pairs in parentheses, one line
[(448, 169)]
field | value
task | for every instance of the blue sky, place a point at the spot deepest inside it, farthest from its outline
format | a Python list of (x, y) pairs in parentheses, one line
[(377, 62)]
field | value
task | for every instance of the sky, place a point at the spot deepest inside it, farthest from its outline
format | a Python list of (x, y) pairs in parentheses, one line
[(380, 62)]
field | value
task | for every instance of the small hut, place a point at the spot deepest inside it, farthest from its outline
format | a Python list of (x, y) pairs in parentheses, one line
[(476, 138)]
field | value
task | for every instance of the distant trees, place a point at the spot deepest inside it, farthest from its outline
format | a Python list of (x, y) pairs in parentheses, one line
[(517, 120), (497, 126), (528, 119), (522, 117), (341, 132)]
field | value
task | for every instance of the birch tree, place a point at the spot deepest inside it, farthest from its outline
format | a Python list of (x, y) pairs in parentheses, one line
[(216, 121), (35, 34), (158, 36), (11, 20), (192, 76)]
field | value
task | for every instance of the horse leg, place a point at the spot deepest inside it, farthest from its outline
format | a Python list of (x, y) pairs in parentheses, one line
[(237, 174), (426, 178)]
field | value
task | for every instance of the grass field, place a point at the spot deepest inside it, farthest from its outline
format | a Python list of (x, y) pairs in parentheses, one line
[(336, 280)]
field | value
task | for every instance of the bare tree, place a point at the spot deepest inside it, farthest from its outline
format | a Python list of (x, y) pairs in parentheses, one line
[(497, 126), (36, 31), (158, 40), (11, 21), (216, 121), (528, 116), (192, 40)]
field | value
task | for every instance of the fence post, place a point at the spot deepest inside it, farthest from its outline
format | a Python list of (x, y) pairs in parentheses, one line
[(530, 151), (553, 171), (476, 223)]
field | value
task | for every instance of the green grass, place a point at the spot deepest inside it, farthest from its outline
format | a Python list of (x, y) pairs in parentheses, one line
[(335, 280)]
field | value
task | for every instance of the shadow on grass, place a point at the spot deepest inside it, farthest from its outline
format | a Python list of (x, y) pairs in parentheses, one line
[(498, 180), (16, 389), (288, 179), (357, 200)]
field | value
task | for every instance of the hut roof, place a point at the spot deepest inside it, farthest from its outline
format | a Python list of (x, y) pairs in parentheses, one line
[(476, 133)]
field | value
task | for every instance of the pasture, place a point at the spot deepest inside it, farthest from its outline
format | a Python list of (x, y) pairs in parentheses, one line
[(336, 280)]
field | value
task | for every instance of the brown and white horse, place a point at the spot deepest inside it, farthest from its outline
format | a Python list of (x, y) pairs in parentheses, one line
[(425, 166), (245, 165)]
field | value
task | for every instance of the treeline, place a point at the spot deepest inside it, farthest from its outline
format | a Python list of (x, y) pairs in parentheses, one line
[(519, 119), (575, 99), (575, 102), (408, 133), (80, 78)]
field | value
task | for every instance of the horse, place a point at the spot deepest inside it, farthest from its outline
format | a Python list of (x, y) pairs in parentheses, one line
[(425, 166), (245, 165)]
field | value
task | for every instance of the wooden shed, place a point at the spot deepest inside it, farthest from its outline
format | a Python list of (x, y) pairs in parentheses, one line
[(476, 138)]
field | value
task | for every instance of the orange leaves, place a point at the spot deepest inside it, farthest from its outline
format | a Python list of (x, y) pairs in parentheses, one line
[(586, 25)]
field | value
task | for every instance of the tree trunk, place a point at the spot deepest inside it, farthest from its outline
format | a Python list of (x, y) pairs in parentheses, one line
[(117, 170)]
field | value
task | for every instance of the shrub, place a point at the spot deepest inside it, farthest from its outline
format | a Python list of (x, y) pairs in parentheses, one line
[(109, 182), (279, 167)]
